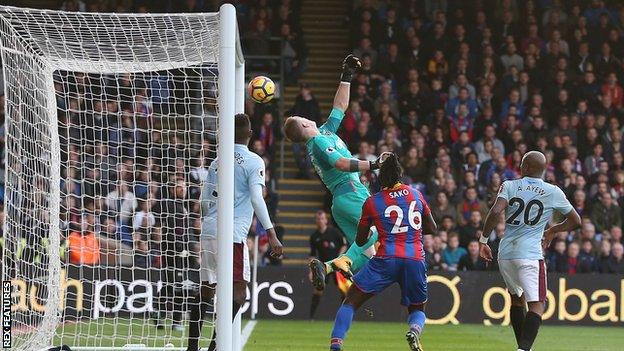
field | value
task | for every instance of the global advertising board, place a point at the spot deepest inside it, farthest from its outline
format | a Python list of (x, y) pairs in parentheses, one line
[(285, 292)]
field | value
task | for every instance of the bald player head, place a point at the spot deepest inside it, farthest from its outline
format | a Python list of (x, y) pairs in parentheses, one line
[(533, 164)]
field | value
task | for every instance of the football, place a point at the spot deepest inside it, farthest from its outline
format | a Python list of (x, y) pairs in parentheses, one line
[(261, 89)]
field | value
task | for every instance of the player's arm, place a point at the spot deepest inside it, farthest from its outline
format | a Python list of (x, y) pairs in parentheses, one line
[(429, 225), (350, 65), (256, 185), (491, 220), (571, 222), (262, 213), (208, 196), (325, 150), (346, 164)]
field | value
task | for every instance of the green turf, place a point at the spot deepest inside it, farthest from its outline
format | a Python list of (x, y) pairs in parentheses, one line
[(122, 331), (308, 336)]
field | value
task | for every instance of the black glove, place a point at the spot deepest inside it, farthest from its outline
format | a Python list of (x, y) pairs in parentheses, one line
[(350, 65), (377, 163), (374, 164)]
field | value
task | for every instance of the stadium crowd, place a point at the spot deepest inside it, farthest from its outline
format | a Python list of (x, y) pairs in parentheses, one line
[(131, 167), (462, 89)]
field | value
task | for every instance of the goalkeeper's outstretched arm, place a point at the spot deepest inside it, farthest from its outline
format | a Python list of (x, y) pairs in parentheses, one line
[(354, 165), (350, 65), (341, 99)]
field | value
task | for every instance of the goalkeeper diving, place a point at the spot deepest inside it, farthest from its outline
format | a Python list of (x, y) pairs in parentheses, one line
[(339, 170)]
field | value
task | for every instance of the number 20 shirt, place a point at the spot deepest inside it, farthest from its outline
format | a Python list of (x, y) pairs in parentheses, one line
[(531, 202)]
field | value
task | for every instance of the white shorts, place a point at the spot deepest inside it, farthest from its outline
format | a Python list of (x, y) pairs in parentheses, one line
[(525, 277), (208, 268)]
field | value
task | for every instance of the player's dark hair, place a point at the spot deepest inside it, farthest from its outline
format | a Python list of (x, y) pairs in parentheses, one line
[(242, 126), (390, 171)]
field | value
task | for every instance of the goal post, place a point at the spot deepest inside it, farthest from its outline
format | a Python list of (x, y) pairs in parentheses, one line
[(111, 121)]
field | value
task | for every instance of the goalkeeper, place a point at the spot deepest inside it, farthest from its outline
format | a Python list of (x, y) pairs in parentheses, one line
[(339, 170)]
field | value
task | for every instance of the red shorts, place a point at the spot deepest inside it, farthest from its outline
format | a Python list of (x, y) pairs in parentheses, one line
[(208, 271), (241, 255)]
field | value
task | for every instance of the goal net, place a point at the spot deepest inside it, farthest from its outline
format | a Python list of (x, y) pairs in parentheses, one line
[(111, 122)]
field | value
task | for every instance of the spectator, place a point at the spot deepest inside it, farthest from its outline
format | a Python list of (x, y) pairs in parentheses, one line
[(366, 49), (489, 134), (612, 89), (604, 255), (511, 58), (433, 256), (83, 245), (557, 259), (122, 201), (267, 133), (294, 52), (144, 218), (615, 263), (463, 99), (453, 253), (471, 230), (606, 214), (470, 204), (587, 262), (472, 261), (258, 41), (142, 257), (326, 243), (573, 263), (442, 208)]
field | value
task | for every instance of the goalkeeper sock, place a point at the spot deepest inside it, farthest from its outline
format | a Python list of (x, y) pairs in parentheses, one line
[(358, 254), (359, 262), (316, 300), (344, 317), (516, 315), (416, 321), (532, 322)]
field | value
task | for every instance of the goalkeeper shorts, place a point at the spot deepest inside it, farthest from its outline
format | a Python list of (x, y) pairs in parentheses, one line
[(208, 268)]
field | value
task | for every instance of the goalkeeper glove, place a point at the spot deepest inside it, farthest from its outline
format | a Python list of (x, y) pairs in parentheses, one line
[(343, 264), (377, 163), (350, 65)]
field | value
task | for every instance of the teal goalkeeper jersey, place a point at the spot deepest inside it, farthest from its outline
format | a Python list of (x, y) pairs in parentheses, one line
[(325, 149)]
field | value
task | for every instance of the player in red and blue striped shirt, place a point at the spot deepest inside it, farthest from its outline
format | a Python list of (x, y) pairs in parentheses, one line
[(401, 216)]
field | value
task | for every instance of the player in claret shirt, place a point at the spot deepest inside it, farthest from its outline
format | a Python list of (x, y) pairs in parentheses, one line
[(402, 217)]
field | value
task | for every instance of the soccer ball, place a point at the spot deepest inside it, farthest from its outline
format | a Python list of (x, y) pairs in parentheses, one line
[(261, 89)]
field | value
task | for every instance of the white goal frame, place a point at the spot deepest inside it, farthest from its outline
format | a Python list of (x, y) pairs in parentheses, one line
[(231, 96)]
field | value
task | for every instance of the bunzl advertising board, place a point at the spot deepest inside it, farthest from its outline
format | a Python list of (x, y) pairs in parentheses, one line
[(284, 293)]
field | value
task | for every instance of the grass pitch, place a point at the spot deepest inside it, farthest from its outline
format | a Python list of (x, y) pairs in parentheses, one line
[(275, 335), (374, 336)]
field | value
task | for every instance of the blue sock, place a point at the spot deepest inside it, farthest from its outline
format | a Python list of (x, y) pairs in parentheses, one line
[(416, 321), (344, 316)]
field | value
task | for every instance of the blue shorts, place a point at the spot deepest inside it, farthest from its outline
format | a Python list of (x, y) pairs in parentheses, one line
[(380, 273)]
